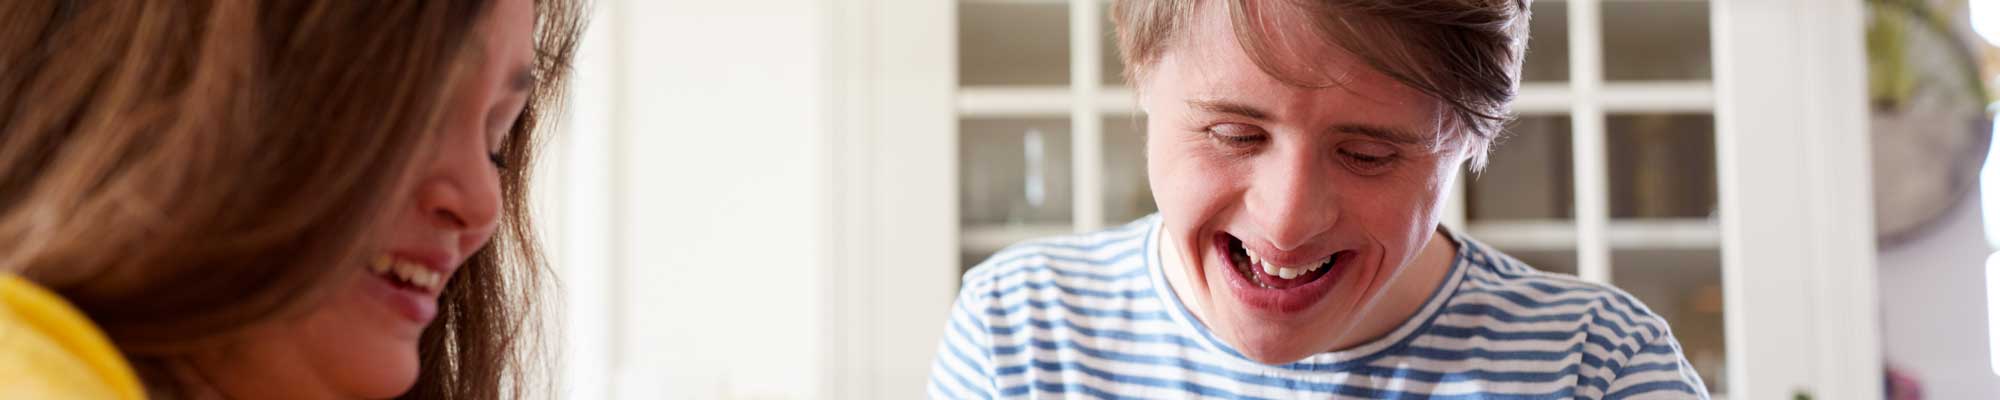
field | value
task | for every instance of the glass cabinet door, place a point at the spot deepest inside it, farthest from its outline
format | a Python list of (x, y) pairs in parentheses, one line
[(1609, 171)]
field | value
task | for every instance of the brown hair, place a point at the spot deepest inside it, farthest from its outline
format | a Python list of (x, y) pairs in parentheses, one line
[(182, 169), (1465, 53)]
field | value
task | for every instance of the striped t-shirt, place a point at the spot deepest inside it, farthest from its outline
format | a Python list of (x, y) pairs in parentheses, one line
[(1091, 315)]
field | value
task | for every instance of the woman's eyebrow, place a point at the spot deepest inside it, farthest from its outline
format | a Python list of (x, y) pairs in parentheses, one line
[(523, 79)]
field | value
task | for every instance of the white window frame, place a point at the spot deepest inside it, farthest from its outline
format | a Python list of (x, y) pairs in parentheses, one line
[(1799, 277)]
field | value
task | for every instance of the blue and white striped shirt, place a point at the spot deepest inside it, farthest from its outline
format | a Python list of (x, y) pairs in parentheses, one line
[(1091, 315)]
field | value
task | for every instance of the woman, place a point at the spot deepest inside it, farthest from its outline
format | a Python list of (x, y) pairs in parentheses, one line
[(293, 199)]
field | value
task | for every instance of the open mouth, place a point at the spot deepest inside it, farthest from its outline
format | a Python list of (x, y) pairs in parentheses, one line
[(406, 275), (1268, 275)]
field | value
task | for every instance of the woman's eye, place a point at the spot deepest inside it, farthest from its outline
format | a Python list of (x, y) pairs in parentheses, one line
[(1236, 135), (498, 160)]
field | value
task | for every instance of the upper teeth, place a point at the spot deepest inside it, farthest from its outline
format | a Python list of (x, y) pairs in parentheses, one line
[(410, 272), (1287, 272)]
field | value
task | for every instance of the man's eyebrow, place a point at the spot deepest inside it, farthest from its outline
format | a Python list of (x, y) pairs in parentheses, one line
[(1396, 135), (1230, 107)]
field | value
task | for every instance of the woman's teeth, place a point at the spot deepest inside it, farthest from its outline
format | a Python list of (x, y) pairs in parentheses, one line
[(406, 272)]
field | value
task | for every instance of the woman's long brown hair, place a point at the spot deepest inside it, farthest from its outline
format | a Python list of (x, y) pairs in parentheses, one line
[(180, 170)]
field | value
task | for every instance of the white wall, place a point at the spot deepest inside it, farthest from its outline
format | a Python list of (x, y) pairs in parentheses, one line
[(723, 244), (1934, 308), (691, 237)]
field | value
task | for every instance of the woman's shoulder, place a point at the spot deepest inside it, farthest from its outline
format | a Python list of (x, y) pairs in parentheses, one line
[(50, 350)]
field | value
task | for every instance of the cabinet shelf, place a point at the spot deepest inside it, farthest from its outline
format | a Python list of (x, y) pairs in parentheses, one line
[(992, 238), (1036, 101), (1660, 234)]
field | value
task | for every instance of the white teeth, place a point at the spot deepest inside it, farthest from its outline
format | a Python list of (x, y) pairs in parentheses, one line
[(1286, 272), (1295, 271), (407, 272), (1321, 264)]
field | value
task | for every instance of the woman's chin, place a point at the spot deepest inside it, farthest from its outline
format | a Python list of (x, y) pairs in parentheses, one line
[(391, 379), (372, 363)]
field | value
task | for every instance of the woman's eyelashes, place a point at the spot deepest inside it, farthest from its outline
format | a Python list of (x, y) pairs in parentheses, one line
[(497, 138)]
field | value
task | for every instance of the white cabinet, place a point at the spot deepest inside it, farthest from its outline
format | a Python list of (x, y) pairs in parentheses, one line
[(1707, 157)]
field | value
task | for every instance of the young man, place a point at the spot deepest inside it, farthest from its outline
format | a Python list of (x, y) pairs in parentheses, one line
[(1300, 152)]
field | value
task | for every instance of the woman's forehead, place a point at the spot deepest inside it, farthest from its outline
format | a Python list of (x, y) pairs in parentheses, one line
[(506, 40)]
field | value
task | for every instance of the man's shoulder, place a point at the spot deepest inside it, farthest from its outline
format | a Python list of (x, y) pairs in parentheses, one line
[(1500, 288), (1067, 264)]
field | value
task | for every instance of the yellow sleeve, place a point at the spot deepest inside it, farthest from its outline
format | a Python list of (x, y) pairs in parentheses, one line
[(48, 350)]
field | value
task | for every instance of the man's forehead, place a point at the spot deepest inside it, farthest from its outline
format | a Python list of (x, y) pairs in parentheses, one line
[(1279, 39)]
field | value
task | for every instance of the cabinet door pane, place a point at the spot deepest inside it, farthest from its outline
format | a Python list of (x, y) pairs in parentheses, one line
[(1014, 172), (1013, 43), (1127, 193), (1113, 72), (1685, 287), (1651, 40), (1661, 165), (1548, 43), (1561, 261), (1527, 176)]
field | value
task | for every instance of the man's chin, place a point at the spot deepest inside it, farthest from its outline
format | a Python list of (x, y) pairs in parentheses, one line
[(1273, 351)]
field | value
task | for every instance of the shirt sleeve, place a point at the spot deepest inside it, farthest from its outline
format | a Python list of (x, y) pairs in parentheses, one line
[(963, 367), (1657, 371)]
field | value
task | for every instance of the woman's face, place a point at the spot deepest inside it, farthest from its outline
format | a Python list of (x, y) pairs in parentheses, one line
[(362, 341), (1293, 207)]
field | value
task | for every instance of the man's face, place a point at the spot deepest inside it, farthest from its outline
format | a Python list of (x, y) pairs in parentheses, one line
[(1293, 207)]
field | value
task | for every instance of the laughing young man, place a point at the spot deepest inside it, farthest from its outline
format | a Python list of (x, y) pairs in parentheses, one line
[(1300, 152)]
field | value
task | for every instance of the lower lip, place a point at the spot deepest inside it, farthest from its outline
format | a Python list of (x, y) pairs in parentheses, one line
[(1279, 301), (415, 306)]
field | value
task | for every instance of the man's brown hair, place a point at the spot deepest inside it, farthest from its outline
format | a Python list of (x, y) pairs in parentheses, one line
[(1465, 53)]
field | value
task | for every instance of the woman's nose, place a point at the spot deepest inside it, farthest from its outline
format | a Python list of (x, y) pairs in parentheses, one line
[(459, 191)]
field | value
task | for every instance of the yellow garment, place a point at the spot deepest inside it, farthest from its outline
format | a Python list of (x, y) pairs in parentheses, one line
[(48, 350)]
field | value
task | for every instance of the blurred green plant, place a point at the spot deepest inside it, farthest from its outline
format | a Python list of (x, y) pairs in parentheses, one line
[(1893, 25)]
